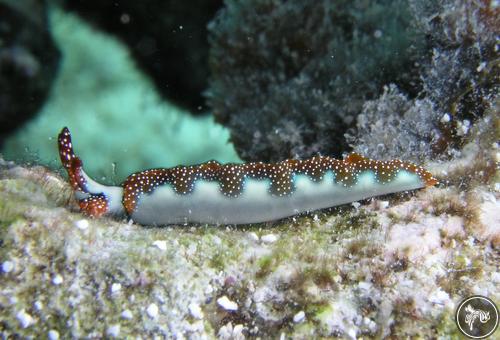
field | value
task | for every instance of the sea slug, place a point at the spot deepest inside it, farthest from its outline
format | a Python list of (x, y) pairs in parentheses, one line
[(239, 193)]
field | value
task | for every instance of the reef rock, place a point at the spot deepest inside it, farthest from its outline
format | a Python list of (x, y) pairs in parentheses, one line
[(28, 62), (295, 78), (396, 267)]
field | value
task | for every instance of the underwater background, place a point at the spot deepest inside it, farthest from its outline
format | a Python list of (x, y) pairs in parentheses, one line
[(161, 83), (114, 109)]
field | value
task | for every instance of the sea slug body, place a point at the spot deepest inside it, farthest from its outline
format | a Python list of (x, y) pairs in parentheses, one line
[(239, 193)]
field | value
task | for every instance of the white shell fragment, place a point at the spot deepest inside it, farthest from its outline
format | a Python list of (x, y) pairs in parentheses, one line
[(7, 266), (269, 238), (152, 311), (24, 318), (160, 244), (127, 314), (53, 334), (195, 311), (299, 317), (227, 304), (82, 224), (115, 288), (57, 280), (113, 331)]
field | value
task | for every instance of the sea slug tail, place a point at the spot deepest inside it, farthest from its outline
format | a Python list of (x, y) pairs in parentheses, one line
[(427, 179)]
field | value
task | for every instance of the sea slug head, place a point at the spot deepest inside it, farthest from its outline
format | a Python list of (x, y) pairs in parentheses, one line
[(94, 205), (93, 198)]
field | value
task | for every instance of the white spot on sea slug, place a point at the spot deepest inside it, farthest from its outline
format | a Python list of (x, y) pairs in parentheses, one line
[(227, 304), (57, 280), (269, 238), (299, 317), (7, 266), (356, 205), (195, 311), (152, 311), (82, 224), (24, 318), (160, 244)]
